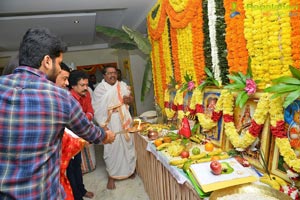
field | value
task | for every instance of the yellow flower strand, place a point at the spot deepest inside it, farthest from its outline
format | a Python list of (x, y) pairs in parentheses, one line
[(158, 89), (260, 115), (283, 144), (185, 51), (167, 54), (178, 101), (178, 5)]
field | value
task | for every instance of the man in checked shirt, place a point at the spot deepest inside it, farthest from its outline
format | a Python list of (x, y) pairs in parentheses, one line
[(33, 115)]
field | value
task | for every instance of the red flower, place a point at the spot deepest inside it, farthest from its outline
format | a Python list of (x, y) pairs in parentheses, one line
[(279, 130), (199, 108), (228, 118), (255, 129), (217, 115)]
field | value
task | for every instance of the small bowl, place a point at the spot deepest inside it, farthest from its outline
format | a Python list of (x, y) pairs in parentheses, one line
[(152, 135)]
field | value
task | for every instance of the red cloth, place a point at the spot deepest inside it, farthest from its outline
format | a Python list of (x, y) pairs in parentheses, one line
[(70, 147), (217, 115), (85, 102)]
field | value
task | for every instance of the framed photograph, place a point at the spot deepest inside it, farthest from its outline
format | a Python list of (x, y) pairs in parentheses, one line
[(210, 99), (242, 120), (277, 165)]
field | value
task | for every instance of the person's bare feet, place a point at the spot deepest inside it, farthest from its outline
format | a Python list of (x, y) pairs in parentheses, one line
[(89, 195), (111, 183)]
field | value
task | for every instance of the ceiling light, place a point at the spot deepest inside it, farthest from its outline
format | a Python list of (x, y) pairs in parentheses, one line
[(76, 22)]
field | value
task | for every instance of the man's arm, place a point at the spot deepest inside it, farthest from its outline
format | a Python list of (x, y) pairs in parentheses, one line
[(84, 128)]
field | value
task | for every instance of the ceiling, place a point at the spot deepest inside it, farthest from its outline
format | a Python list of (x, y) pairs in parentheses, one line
[(73, 20)]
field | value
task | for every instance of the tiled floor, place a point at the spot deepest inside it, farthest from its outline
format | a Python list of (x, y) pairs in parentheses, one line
[(129, 189)]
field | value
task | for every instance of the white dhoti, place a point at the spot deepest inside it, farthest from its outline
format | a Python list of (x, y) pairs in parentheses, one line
[(120, 156)]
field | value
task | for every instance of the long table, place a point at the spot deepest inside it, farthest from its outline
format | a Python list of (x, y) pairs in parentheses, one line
[(159, 182)]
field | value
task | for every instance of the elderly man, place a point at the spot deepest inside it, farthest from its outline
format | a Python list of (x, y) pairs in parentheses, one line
[(111, 99), (34, 113)]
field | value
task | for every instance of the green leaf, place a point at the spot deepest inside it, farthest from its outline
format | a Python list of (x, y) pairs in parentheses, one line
[(114, 33), (208, 72), (249, 69), (243, 77), (235, 78), (287, 79), (290, 98), (295, 72), (239, 97), (281, 88), (244, 99), (215, 82), (235, 86), (147, 79), (277, 95), (141, 41)]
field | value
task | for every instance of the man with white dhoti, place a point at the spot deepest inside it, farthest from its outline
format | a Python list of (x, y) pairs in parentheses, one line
[(111, 99)]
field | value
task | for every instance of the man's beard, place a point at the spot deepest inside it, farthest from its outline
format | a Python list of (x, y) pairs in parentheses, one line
[(52, 75)]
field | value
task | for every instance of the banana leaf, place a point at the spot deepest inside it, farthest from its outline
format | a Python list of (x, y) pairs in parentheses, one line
[(290, 98), (288, 80), (114, 33), (295, 72), (125, 46), (141, 41), (147, 79)]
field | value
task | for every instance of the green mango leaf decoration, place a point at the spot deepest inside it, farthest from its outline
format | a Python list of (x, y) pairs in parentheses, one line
[(243, 84), (286, 87), (209, 80)]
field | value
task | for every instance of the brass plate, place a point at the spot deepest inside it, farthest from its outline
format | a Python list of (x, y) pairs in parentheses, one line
[(249, 188)]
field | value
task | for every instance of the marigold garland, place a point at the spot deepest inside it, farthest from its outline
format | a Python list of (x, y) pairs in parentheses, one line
[(295, 32), (237, 55), (198, 40), (278, 130), (197, 107), (268, 47), (156, 23)]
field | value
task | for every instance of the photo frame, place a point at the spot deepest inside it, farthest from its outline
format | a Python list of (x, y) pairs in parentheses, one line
[(292, 125), (276, 165), (242, 120), (210, 98)]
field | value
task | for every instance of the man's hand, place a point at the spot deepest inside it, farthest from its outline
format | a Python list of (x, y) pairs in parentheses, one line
[(109, 138), (127, 99)]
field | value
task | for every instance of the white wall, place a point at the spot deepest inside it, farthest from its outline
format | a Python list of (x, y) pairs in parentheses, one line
[(137, 63)]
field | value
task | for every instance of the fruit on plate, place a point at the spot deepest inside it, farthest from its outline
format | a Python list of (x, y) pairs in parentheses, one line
[(226, 168), (216, 167), (196, 150), (184, 154)]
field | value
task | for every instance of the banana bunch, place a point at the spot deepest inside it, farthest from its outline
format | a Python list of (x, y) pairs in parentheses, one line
[(178, 162), (197, 138), (174, 149), (273, 181)]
